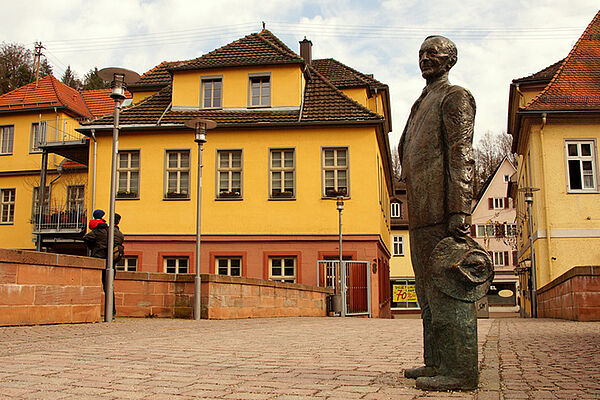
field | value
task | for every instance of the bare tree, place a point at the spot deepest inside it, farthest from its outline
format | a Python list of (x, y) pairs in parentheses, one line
[(489, 151), (396, 163)]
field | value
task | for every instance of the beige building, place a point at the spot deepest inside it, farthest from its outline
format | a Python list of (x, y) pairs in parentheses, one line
[(493, 226)]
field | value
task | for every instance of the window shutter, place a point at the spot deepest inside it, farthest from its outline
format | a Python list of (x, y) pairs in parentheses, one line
[(490, 203), (506, 202), (473, 230), (515, 258), (506, 258)]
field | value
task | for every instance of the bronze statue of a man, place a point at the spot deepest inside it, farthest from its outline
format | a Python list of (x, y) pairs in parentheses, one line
[(451, 270)]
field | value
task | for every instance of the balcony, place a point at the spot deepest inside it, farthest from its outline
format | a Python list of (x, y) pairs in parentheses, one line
[(60, 221), (60, 137)]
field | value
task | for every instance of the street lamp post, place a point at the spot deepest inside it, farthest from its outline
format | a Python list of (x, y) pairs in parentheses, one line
[(119, 78), (340, 208), (529, 200), (200, 126)]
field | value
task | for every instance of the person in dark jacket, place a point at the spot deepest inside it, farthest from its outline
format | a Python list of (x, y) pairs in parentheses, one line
[(97, 242)]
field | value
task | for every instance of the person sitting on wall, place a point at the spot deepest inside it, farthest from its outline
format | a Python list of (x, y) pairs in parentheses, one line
[(98, 214)]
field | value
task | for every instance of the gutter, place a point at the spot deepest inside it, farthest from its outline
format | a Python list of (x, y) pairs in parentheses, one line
[(84, 130)]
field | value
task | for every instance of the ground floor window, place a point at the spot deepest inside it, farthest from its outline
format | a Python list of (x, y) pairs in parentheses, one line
[(176, 265), (7, 206), (502, 294), (282, 269), (127, 264), (231, 266), (404, 294)]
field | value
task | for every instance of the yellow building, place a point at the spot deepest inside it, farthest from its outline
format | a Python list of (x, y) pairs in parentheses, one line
[(293, 135), (402, 275), (554, 118), (34, 118)]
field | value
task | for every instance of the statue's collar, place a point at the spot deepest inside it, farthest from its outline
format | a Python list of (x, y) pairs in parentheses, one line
[(436, 85)]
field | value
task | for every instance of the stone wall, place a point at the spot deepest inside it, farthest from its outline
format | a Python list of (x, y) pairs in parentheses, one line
[(152, 294), (44, 288), (575, 295)]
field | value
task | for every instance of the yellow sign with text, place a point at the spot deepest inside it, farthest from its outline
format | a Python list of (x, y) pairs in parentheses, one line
[(404, 293)]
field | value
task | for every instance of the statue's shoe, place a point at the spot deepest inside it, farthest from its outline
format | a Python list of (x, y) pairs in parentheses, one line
[(441, 383), (414, 373)]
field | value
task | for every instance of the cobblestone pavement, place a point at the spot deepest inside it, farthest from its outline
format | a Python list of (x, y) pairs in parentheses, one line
[(287, 358)]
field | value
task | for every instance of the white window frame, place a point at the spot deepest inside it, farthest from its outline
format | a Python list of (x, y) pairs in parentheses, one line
[(7, 139), (484, 230), (498, 258), (179, 171), (510, 230), (230, 192), (228, 261), (264, 99), (498, 203), (131, 183), (75, 197), (398, 245), (128, 264), (280, 173), (212, 79), (7, 205), (395, 210), (592, 158), (283, 277), (38, 136), (337, 189), (35, 201), (177, 261)]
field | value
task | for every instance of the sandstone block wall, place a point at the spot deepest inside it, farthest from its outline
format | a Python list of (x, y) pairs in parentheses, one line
[(574, 295), (45, 288)]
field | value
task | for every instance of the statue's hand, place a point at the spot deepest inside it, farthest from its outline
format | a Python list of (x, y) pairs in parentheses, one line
[(458, 226)]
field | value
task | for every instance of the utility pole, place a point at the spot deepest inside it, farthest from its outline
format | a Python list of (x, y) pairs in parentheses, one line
[(37, 55)]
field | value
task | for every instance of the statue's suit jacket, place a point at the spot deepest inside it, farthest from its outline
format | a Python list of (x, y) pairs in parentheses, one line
[(436, 154)]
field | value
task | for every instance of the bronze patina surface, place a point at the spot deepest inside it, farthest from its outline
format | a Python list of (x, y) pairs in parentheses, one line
[(451, 270)]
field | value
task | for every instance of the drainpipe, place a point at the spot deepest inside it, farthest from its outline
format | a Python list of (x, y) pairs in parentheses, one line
[(544, 187), (94, 174), (41, 195)]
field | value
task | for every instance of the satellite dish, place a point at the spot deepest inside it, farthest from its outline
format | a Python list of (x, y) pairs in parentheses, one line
[(108, 74), (191, 123)]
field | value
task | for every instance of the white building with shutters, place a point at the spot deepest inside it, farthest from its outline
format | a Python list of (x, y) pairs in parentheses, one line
[(493, 226)]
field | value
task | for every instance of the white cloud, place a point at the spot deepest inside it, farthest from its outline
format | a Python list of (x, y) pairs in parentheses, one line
[(497, 40)]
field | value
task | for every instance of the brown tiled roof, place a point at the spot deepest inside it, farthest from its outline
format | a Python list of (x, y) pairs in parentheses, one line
[(99, 101), (50, 92), (261, 48), (343, 76), (576, 84), (157, 77), (544, 75), (323, 102)]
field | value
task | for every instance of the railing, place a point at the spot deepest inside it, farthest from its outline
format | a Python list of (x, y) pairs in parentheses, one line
[(60, 131), (69, 220)]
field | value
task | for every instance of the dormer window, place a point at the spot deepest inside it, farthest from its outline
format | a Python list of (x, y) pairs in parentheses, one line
[(212, 92), (259, 90)]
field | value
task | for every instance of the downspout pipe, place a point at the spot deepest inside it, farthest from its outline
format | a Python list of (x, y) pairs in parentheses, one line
[(94, 173), (544, 187)]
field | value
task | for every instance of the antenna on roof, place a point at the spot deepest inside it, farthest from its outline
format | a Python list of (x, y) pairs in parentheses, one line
[(36, 61)]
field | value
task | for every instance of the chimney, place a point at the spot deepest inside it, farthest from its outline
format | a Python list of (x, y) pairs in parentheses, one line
[(306, 50)]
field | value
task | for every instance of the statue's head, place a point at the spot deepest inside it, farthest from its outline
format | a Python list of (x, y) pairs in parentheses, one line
[(436, 56)]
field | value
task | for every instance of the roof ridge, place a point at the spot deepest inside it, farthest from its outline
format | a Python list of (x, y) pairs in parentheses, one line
[(281, 47), (64, 101), (567, 59), (340, 93)]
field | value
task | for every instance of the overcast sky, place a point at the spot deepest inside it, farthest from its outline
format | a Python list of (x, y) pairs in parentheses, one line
[(498, 40)]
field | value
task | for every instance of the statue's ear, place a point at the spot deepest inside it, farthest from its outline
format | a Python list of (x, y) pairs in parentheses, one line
[(451, 62)]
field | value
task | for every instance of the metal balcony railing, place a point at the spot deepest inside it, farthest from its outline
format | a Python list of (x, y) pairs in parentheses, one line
[(57, 220), (57, 131)]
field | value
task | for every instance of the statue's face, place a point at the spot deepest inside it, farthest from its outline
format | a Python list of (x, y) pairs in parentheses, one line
[(434, 60)]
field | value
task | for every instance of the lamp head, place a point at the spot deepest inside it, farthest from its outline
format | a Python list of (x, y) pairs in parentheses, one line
[(118, 78), (200, 126), (340, 203)]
